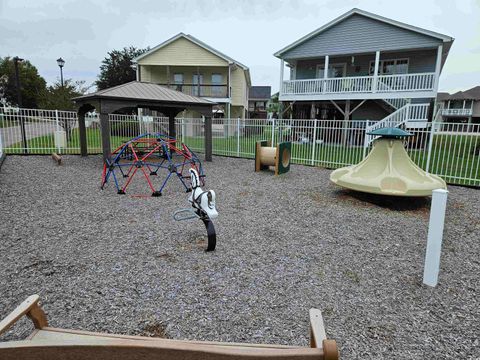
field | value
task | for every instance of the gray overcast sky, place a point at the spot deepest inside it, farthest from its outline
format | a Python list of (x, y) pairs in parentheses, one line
[(249, 31)]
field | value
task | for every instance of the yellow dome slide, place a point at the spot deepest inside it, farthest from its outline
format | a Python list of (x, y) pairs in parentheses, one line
[(388, 170)]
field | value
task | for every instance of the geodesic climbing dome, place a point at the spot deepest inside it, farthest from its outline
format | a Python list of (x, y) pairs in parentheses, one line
[(150, 155)]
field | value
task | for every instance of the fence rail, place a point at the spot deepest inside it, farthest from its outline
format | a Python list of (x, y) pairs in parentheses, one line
[(450, 150)]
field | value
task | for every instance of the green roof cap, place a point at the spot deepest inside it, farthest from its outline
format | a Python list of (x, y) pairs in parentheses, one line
[(390, 132)]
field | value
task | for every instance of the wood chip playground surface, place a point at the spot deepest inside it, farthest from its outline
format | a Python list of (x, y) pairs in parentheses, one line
[(116, 263)]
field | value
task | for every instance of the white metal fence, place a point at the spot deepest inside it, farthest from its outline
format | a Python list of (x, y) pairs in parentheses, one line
[(450, 150)]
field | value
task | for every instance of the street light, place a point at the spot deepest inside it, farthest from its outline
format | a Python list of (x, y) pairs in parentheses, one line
[(60, 63), (16, 60)]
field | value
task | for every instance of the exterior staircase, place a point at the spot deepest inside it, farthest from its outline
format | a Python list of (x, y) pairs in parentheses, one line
[(412, 116)]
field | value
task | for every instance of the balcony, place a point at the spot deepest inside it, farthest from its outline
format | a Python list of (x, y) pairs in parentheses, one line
[(360, 87), (457, 112), (202, 90)]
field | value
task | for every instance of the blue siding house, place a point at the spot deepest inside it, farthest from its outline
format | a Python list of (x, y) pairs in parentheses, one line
[(363, 66)]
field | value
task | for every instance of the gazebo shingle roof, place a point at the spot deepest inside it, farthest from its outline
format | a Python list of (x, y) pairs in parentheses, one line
[(137, 90)]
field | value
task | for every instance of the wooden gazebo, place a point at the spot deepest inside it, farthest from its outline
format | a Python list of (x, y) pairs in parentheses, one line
[(143, 95)]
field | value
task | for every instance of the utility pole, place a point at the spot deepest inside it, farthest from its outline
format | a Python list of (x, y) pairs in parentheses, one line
[(16, 60)]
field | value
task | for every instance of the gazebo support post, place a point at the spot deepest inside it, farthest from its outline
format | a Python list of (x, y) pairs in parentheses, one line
[(82, 132), (171, 125), (208, 138), (105, 126)]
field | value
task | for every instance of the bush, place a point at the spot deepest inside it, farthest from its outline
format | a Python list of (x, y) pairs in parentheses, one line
[(125, 129)]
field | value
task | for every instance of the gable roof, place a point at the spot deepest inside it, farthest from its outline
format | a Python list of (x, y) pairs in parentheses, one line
[(259, 92), (195, 41), (202, 45), (444, 38), (137, 90), (470, 94)]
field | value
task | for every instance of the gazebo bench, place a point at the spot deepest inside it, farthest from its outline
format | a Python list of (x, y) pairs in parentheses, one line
[(49, 343)]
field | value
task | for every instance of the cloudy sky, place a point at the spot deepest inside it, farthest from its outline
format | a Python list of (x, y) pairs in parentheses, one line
[(250, 31)]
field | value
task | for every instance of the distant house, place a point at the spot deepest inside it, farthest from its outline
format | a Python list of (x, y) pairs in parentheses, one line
[(363, 66), (463, 106), (258, 98), (187, 64)]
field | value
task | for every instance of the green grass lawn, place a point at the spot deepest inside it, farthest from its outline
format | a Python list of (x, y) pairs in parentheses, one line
[(453, 157)]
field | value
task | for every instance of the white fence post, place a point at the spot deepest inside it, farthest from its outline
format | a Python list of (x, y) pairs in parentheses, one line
[(238, 137), (314, 141), (366, 138), (435, 235), (58, 134), (273, 132)]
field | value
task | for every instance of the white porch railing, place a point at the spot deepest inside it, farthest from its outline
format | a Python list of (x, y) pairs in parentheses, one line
[(361, 84), (413, 116), (457, 112), (406, 82)]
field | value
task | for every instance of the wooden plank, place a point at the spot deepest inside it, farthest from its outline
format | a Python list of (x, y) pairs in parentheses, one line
[(28, 307), (317, 329), (51, 333), (107, 349)]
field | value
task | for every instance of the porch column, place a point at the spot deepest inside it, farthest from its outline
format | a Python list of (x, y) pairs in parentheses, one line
[(375, 72), (312, 111), (438, 66), (282, 65), (171, 125), (198, 80), (208, 138), (228, 86), (325, 73), (168, 76)]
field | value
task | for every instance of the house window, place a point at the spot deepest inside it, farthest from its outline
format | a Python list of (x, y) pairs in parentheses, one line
[(334, 70), (390, 67), (217, 88), (178, 81)]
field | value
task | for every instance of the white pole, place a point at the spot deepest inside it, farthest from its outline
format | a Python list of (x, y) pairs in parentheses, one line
[(314, 140), (430, 140), (325, 73), (273, 132), (438, 66), (282, 67), (58, 132), (375, 74), (238, 137), (435, 235)]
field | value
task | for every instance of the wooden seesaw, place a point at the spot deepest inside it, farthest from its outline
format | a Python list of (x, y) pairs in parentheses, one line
[(50, 343), (279, 156)]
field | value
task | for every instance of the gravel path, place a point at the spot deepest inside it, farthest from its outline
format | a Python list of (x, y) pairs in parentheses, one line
[(104, 262)]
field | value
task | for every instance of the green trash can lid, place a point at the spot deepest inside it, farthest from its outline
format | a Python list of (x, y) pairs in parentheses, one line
[(390, 132)]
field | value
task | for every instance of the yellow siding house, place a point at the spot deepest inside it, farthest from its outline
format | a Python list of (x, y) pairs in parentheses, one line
[(186, 64)]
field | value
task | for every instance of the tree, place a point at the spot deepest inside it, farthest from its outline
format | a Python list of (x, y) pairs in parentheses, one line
[(60, 98), (116, 68), (32, 84)]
